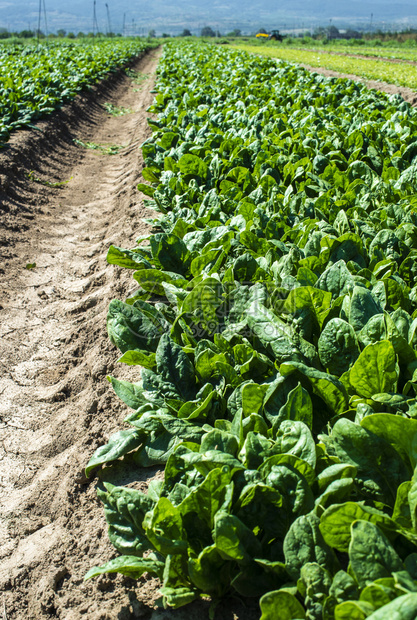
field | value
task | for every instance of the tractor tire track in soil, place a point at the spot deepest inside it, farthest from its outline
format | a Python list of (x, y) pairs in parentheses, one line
[(56, 405)]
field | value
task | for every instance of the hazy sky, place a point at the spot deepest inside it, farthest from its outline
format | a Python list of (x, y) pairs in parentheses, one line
[(247, 14)]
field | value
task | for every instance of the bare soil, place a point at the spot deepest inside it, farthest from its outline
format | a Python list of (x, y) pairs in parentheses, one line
[(56, 406)]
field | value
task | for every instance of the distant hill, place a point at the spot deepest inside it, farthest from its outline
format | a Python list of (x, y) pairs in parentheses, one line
[(172, 16)]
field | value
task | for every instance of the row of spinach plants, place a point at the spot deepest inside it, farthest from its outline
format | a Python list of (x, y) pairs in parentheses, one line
[(36, 79), (379, 69), (275, 321)]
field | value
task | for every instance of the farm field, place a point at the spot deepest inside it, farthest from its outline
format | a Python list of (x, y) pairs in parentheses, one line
[(254, 456), (345, 48), (36, 79), (366, 51), (401, 74)]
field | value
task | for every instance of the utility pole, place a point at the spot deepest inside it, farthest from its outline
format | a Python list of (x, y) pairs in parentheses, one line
[(41, 5), (370, 24), (108, 19), (39, 19), (95, 24), (46, 24)]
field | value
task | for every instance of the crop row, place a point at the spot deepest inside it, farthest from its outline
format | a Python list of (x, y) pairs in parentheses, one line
[(402, 74), (373, 52), (349, 47), (275, 324), (37, 79)]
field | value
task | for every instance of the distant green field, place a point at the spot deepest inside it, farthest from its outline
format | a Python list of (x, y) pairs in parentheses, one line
[(35, 79), (401, 74), (388, 49), (380, 52)]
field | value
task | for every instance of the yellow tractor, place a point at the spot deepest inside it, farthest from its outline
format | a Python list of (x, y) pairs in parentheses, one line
[(274, 35)]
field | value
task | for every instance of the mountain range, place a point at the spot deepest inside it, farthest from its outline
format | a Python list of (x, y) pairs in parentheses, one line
[(172, 16)]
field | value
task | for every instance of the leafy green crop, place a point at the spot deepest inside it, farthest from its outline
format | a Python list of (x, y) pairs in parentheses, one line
[(352, 48), (275, 320), (37, 79), (403, 74)]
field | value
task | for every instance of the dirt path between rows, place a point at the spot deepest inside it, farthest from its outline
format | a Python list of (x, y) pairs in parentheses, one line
[(56, 406)]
